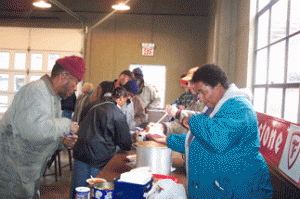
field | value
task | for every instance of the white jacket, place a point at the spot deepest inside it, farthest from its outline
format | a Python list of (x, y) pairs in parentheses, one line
[(149, 97), (31, 130)]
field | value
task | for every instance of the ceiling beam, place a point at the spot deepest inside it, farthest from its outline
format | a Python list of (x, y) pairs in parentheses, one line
[(103, 19), (73, 14)]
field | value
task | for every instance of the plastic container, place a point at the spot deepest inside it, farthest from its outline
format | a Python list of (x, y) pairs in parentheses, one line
[(125, 190), (82, 193), (92, 181), (103, 190), (140, 134), (131, 158)]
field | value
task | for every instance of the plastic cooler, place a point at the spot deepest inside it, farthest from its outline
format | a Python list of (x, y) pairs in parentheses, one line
[(125, 190)]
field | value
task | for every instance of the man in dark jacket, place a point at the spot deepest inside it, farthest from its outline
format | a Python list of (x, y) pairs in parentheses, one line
[(68, 106), (103, 128)]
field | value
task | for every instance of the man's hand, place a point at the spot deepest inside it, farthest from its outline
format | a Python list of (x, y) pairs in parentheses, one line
[(69, 141), (185, 122), (74, 127)]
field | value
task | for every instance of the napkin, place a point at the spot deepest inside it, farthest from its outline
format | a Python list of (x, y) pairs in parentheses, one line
[(135, 177)]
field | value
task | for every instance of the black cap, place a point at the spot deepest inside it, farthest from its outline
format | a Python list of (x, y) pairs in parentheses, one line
[(138, 72)]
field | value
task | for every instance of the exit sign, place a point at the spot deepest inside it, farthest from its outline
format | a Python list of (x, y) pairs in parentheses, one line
[(148, 49)]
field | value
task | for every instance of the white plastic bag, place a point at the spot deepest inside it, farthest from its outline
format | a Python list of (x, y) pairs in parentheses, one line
[(171, 110), (166, 189), (155, 128)]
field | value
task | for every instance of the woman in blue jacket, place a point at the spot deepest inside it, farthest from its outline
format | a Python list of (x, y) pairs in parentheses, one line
[(222, 146)]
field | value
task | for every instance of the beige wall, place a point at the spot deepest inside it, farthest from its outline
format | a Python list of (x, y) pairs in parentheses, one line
[(180, 44), (229, 37)]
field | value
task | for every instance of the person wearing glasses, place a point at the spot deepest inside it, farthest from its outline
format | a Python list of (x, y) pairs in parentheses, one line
[(32, 128)]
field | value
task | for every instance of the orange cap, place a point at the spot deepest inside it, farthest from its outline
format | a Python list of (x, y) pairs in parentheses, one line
[(190, 74), (183, 81)]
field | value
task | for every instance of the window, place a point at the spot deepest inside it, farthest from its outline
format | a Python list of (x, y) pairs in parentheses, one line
[(154, 75), (20, 61), (276, 75), (51, 60), (3, 82), (3, 103), (19, 81), (26, 54), (4, 59)]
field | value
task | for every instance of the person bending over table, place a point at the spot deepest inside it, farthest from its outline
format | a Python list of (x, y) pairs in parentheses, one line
[(32, 129), (102, 129), (222, 146)]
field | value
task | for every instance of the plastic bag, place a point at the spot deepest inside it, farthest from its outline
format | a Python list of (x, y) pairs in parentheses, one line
[(171, 110), (166, 189)]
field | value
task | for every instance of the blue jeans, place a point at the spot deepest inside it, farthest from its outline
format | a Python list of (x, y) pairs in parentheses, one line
[(81, 172)]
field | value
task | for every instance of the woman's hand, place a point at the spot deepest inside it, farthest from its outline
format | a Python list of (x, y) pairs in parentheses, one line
[(185, 122), (181, 107), (157, 138)]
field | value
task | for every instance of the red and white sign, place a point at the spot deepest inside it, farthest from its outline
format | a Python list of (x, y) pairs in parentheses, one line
[(290, 164), (273, 135), (148, 49)]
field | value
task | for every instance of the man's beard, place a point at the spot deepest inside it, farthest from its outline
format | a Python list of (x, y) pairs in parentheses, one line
[(63, 92)]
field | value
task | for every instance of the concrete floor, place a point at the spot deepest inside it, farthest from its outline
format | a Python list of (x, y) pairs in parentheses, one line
[(50, 189)]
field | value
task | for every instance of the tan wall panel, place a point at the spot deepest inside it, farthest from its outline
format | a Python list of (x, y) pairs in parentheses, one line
[(14, 38), (228, 43), (211, 40), (63, 39), (180, 44), (101, 53), (241, 70)]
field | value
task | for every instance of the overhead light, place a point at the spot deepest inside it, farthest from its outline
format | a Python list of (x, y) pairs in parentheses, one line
[(42, 4), (121, 6)]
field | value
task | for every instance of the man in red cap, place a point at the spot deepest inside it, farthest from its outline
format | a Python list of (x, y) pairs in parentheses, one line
[(32, 129)]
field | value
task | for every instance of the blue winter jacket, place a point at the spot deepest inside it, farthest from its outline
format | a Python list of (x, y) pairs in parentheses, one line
[(223, 158)]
